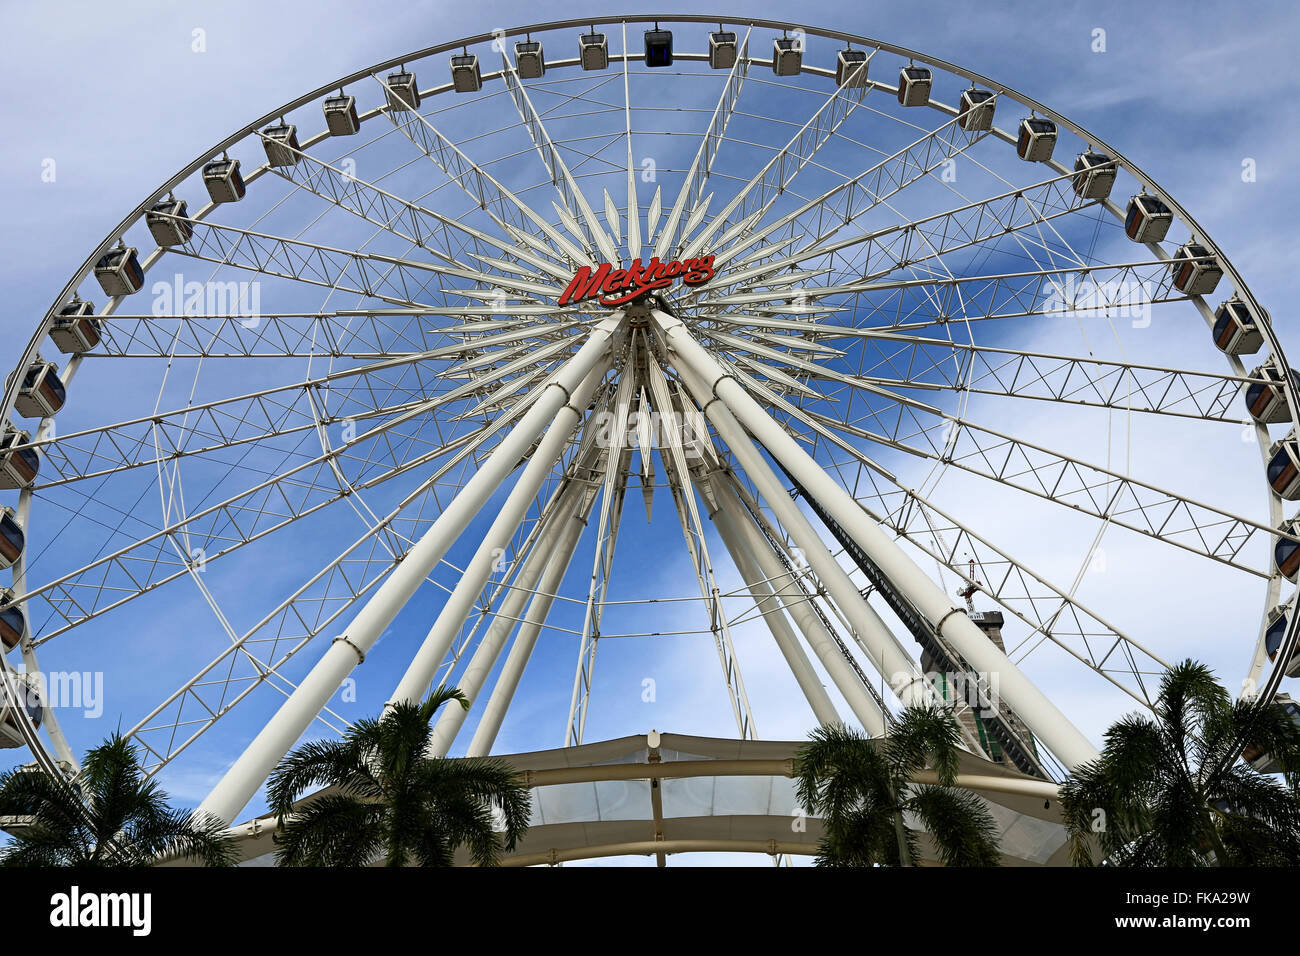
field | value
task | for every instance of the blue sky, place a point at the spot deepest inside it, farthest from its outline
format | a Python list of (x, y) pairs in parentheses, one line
[(116, 96)]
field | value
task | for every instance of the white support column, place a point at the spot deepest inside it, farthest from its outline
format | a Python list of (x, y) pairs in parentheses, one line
[(727, 404), (506, 618), (846, 679), (770, 607), (419, 675), (884, 651), (242, 780), (489, 725)]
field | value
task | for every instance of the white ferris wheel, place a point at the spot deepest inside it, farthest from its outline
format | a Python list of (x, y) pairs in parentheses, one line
[(460, 350)]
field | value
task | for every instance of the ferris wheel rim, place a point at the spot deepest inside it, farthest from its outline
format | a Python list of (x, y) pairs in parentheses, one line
[(1241, 288)]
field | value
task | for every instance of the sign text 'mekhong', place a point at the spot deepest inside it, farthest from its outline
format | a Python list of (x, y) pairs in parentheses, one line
[(619, 286)]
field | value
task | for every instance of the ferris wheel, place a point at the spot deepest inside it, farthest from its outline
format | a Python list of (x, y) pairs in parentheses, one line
[(927, 380)]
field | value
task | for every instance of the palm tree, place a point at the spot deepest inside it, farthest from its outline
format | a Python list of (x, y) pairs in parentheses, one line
[(109, 816), (1164, 792), (862, 789), (387, 799)]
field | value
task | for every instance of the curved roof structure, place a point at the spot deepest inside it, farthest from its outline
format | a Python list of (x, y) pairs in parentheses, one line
[(664, 794)]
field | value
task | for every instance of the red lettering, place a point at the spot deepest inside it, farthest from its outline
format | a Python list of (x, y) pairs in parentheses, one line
[(635, 281), (585, 284)]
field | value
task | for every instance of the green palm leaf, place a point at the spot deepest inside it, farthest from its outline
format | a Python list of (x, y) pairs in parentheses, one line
[(386, 800)]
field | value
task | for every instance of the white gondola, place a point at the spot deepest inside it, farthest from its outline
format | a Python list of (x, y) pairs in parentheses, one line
[(1147, 219), (42, 393), (593, 50), (12, 538), (1266, 398), (223, 179), (1255, 755), (341, 115), (1094, 175), (1274, 634), (658, 47), (722, 50), (119, 272), (13, 621), (1286, 552), (787, 56), (18, 466), (1037, 139), (1235, 329), (914, 84), (402, 92), (975, 111), (30, 700), (1283, 469), (851, 69), (1196, 272), (75, 329), (530, 64), (281, 143), (167, 222), (466, 77)]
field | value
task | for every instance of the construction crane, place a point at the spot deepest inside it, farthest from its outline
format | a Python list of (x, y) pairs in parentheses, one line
[(969, 590)]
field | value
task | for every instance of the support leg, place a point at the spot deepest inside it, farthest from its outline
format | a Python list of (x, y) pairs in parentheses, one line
[(770, 607), (845, 678), (887, 656), (731, 403), (512, 671), (507, 617), (242, 780), (419, 675)]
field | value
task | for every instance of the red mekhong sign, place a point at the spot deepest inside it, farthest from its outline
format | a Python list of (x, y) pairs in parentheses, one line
[(619, 286)]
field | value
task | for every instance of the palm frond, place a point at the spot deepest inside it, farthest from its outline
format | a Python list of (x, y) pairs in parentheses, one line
[(332, 830), (339, 764), (960, 825)]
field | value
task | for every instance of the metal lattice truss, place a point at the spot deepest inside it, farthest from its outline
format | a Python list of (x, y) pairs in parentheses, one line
[(357, 399)]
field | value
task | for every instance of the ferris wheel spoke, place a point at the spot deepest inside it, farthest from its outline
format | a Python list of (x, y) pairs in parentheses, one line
[(928, 432), (881, 252), (208, 428), (575, 212), (1051, 613), (757, 196), (937, 364), (401, 281), (681, 483), (701, 168), (218, 530), (904, 361), (283, 633), (356, 334), (849, 200), (613, 495), (914, 304), (417, 224), (633, 206), (513, 216)]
